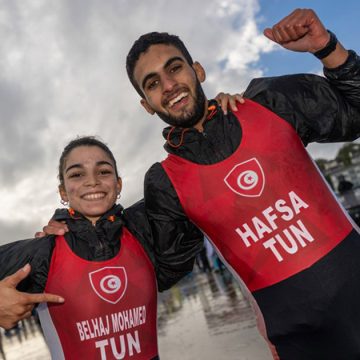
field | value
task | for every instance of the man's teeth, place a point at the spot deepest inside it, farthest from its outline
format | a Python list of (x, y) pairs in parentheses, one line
[(178, 98), (94, 196)]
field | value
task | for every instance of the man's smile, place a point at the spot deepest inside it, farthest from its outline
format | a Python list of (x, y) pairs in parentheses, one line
[(177, 99)]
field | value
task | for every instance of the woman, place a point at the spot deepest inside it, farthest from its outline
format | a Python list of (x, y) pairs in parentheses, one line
[(103, 266)]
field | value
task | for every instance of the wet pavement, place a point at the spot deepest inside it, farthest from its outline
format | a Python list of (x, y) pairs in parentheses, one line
[(206, 317), (25, 343)]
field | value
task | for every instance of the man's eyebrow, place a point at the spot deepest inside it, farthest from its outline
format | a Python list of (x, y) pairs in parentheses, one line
[(171, 60), (167, 64)]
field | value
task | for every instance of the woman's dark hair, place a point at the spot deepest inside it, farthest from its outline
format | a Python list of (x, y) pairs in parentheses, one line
[(83, 141), (142, 44)]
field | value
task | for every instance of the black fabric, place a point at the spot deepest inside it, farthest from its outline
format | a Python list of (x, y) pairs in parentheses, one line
[(97, 243), (304, 321), (36, 252)]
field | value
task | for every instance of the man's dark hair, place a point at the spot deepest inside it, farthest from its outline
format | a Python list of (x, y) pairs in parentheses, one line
[(83, 141), (142, 44)]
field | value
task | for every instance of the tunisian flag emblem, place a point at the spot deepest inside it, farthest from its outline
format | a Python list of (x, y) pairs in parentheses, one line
[(246, 178), (109, 283)]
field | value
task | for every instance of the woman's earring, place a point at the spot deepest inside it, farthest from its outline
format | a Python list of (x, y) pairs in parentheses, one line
[(63, 202), (118, 196)]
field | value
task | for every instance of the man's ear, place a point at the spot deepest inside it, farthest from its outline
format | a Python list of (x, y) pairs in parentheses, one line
[(147, 107), (63, 193), (199, 71)]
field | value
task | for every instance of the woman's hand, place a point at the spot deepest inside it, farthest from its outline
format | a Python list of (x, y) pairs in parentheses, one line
[(227, 101)]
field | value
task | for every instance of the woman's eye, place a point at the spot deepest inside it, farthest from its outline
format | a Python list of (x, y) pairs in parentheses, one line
[(105, 172), (75, 175)]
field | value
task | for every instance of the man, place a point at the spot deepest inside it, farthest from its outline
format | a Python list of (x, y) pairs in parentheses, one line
[(246, 181)]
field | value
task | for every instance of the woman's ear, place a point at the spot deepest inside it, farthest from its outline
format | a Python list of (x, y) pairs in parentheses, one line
[(63, 193), (118, 185)]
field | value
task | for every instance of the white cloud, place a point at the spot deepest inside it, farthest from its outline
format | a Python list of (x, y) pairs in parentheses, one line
[(62, 74)]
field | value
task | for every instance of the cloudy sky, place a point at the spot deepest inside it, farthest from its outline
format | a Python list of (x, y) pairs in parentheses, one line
[(62, 74)]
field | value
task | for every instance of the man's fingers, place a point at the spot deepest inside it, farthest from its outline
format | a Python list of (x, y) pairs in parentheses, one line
[(26, 315), (52, 230), (269, 34), (232, 103), (223, 104), (284, 31), (277, 35), (20, 309), (11, 322), (39, 234), (55, 228), (227, 101), (239, 98), (301, 31), (39, 298), (58, 225), (14, 279), (8, 324), (221, 98)]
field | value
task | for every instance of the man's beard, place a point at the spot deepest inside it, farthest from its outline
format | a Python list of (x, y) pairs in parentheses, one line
[(191, 117)]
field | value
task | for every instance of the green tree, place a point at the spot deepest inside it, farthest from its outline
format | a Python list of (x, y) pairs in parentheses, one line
[(321, 164), (346, 153)]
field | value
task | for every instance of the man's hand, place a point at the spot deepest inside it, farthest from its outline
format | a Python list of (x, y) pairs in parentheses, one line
[(303, 31), (300, 31), (16, 305), (53, 228)]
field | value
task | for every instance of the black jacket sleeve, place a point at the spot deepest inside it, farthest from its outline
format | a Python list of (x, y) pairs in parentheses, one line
[(36, 252), (320, 109), (176, 240)]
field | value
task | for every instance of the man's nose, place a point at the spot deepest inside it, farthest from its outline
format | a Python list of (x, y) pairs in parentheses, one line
[(168, 83)]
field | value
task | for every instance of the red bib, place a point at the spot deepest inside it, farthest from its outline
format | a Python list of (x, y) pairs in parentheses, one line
[(110, 306), (266, 208)]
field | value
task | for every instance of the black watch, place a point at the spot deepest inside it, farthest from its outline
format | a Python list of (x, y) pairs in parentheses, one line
[(329, 47)]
